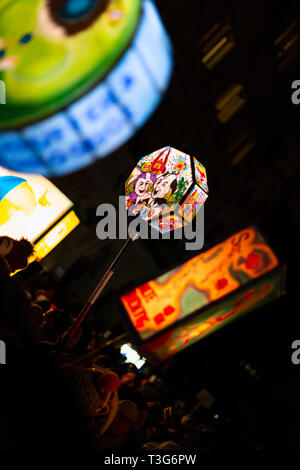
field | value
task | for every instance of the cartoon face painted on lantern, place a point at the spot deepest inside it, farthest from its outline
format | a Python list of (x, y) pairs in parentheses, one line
[(142, 185), (141, 194), (163, 185)]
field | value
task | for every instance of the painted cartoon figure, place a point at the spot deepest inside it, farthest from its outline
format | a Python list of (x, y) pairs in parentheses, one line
[(164, 184), (146, 202), (164, 187), (140, 196), (181, 189)]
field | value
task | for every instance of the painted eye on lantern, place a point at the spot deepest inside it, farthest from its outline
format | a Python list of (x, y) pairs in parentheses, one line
[(77, 9), (76, 15), (25, 38), (2, 53)]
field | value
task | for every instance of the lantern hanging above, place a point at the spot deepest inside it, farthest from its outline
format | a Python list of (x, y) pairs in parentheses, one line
[(79, 78)]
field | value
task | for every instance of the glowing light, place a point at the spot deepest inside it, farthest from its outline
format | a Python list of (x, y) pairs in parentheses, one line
[(132, 356), (29, 205), (32, 207), (208, 277), (43, 247)]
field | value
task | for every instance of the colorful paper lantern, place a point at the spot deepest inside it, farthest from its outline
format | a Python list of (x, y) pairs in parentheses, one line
[(167, 187), (80, 77)]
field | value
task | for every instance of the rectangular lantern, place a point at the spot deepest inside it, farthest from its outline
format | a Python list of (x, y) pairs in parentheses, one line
[(71, 99), (177, 309)]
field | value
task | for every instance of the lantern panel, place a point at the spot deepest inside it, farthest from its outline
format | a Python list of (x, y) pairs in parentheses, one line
[(200, 175), (193, 202), (167, 223)]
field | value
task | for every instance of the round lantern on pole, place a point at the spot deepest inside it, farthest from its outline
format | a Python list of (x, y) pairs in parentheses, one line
[(166, 188)]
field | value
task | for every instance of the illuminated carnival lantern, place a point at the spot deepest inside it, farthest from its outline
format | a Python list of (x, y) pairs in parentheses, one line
[(166, 188), (182, 306), (32, 207), (15, 194), (80, 77)]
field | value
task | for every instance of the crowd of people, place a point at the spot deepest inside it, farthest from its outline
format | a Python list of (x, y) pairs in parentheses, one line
[(84, 395)]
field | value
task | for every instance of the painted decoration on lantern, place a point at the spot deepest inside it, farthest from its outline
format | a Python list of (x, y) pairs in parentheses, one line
[(162, 182), (195, 199), (213, 318), (167, 223), (208, 277), (80, 77), (29, 205), (200, 174)]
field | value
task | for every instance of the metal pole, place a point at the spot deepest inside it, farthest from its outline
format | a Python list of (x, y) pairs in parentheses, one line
[(69, 334)]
